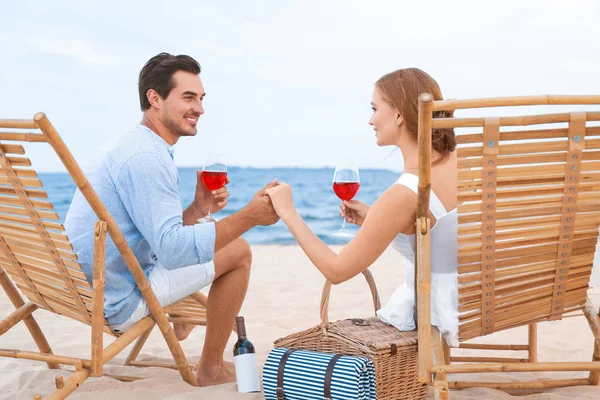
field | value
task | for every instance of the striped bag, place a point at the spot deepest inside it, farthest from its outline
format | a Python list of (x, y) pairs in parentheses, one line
[(307, 375)]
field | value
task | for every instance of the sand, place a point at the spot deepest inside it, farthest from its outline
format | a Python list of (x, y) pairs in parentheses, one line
[(283, 298)]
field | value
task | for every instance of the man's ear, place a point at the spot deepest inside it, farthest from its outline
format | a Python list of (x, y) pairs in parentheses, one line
[(399, 119), (153, 98)]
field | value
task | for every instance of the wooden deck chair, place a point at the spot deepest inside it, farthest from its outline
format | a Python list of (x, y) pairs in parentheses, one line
[(528, 216), (36, 255)]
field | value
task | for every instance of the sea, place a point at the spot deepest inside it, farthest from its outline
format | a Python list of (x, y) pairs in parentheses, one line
[(312, 192)]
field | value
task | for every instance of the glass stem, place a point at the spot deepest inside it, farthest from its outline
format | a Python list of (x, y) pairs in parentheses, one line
[(343, 224), (209, 208)]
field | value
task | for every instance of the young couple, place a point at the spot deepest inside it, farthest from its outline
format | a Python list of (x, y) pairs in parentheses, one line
[(138, 182)]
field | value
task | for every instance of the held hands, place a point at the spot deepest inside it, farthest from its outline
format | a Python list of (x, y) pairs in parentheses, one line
[(204, 199), (281, 196), (354, 211), (260, 208)]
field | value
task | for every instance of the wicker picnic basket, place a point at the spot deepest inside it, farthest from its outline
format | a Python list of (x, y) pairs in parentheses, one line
[(394, 353)]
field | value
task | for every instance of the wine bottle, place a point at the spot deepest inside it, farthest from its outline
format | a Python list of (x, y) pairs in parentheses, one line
[(244, 359)]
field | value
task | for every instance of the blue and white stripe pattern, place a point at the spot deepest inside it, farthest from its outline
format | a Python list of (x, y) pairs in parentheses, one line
[(304, 376)]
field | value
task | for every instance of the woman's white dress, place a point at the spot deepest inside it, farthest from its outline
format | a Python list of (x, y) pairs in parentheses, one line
[(399, 311)]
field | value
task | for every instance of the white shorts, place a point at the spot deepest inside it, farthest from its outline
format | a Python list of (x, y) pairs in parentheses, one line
[(169, 286)]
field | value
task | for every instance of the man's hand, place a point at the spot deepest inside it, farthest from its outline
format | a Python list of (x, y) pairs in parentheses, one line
[(281, 197), (204, 199), (260, 209)]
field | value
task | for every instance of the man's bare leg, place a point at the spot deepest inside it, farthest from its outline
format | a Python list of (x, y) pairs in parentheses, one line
[(227, 293)]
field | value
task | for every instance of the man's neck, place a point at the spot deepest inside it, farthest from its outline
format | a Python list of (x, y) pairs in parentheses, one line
[(160, 129)]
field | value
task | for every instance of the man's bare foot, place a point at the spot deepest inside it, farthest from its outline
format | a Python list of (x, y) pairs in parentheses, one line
[(182, 331), (217, 375)]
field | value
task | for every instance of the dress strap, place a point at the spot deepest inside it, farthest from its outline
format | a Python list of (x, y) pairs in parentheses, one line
[(411, 181)]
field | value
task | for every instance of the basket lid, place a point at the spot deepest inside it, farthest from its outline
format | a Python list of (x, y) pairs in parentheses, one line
[(373, 333)]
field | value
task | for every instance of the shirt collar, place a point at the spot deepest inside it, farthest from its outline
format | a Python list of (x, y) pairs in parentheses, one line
[(159, 140)]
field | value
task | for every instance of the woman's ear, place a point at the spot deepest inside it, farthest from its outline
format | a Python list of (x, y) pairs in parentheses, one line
[(399, 119)]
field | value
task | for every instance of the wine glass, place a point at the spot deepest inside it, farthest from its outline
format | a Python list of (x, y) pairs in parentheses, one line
[(346, 182), (214, 176)]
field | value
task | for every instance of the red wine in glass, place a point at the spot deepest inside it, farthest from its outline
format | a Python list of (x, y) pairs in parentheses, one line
[(346, 190), (214, 180), (214, 176), (346, 182)]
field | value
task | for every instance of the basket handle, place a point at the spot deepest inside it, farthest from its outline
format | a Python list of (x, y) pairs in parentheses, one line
[(327, 291)]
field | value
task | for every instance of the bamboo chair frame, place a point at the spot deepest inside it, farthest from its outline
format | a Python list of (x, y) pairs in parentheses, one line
[(36, 258), (520, 221)]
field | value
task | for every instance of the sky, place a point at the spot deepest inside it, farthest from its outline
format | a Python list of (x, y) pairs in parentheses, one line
[(288, 83)]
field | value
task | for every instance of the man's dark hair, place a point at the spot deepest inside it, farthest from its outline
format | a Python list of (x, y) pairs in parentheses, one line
[(158, 73)]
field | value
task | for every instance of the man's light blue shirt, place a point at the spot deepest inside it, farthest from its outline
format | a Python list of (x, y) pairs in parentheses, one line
[(138, 182)]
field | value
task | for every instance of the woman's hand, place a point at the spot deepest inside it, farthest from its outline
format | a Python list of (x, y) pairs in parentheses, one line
[(281, 197), (354, 211)]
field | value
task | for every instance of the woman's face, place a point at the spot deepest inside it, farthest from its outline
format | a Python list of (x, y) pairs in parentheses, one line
[(384, 121)]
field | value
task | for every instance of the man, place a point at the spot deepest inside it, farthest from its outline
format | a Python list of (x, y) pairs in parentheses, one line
[(138, 182)]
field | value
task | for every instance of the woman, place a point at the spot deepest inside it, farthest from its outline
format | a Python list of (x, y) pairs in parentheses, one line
[(394, 119)]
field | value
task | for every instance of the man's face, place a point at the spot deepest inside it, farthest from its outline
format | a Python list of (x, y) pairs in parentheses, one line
[(183, 106)]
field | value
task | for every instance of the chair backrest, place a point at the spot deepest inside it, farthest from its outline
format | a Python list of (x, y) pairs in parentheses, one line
[(34, 250), (528, 210)]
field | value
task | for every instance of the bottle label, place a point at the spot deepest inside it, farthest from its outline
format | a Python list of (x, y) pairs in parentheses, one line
[(246, 371)]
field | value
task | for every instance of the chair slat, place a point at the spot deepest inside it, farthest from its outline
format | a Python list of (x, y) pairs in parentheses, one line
[(13, 148), (38, 246), (529, 148), (20, 161), (512, 101), (581, 227), (576, 280), (535, 211), (17, 123), (52, 287), (517, 261), (25, 173), (476, 207), (9, 227), (513, 313), (55, 293), (474, 228), (38, 204), (523, 304), (36, 261), (51, 277), (32, 252), (16, 235), (21, 211), (527, 135), (520, 321), (537, 158), (523, 240), (574, 296), (22, 137), (27, 222), (541, 190), (578, 245), (40, 194), (31, 255), (28, 182), (519, 269), (524, 120), (537, 276), (76, 274), (528, 171)]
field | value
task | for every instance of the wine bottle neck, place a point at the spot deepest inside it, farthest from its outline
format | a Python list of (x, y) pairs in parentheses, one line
[(241, 327)]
